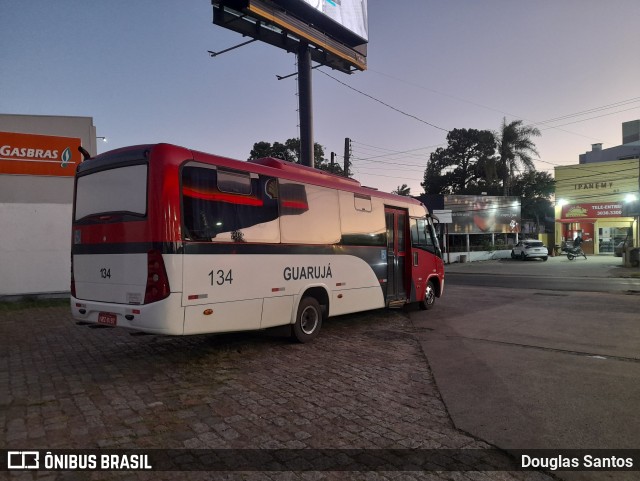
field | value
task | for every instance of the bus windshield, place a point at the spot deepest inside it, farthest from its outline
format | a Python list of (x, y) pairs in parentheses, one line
[(122, 190)]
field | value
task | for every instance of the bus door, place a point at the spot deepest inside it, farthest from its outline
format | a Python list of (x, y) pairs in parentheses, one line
[(396, 222)]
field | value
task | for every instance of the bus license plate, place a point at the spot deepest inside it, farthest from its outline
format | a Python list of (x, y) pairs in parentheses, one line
[(107, 318)]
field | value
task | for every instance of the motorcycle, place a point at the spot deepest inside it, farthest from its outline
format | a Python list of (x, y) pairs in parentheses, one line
[(573, 252)]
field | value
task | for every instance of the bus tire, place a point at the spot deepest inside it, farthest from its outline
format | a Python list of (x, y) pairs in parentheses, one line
[(308, 320), (429, 299)]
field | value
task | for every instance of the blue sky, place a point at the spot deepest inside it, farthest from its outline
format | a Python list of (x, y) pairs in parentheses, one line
[(142, 71)]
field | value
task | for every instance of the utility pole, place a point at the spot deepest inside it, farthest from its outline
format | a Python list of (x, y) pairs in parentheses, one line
[(333, 161), (305, 105), (347, 156)]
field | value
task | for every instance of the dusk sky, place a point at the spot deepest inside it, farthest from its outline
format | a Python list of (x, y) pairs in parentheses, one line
[(142, 71)]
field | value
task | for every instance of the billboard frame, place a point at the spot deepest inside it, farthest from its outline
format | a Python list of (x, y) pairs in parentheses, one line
[(270, 23)]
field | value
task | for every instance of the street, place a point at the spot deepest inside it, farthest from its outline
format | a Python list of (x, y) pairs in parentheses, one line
[(557, 284), (362, 384), (528, 361)]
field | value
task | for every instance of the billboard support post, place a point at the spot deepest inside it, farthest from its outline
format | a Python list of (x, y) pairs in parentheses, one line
[(335, 36), (305, 105)]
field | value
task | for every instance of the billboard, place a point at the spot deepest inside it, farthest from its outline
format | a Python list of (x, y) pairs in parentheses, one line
[(31, 154), (336, 30), (348, 14), (481, 214)]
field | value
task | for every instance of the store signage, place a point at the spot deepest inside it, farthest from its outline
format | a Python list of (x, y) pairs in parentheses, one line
[(31, 154), (593, 185), (592, 211)]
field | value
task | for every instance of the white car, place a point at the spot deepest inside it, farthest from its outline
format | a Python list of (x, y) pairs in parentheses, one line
[(530, 249)]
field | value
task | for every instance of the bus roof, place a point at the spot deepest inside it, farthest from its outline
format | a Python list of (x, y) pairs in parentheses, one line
[(174, 155)]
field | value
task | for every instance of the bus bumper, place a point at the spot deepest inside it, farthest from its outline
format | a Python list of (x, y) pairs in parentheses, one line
[(162, 317)]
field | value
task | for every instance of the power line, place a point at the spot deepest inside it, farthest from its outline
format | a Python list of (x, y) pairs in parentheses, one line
[(393, 153), (591, 118), (391, 168), (532, 123), (390, 176), (398, 152), (384, 103), (590, 111)]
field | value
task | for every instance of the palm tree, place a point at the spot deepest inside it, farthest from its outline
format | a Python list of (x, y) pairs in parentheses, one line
[(516, 149), (403, 189)]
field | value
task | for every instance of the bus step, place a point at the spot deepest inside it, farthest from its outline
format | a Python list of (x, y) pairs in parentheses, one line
[(397, 304)]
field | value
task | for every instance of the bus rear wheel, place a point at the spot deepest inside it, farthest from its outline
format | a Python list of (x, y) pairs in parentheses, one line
[(308, 320)]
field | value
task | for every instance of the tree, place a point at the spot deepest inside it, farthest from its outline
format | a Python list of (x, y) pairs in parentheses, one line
[(462, 167), (535, 189), (516, 149), (290, 151), (403, 189), (276, 150)]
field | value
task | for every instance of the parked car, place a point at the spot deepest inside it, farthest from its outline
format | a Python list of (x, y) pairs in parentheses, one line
[(621, 247), (530, 249)]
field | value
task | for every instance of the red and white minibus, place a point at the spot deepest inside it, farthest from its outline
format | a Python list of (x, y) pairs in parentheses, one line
[(173, 241)]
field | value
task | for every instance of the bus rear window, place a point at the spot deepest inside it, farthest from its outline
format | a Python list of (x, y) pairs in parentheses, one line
[(122, 190)]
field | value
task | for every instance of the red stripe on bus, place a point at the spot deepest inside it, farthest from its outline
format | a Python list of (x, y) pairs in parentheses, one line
[(222, 197), (292, 204)]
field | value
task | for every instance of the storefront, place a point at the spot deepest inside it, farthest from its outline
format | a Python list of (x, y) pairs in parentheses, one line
[(590, 200)]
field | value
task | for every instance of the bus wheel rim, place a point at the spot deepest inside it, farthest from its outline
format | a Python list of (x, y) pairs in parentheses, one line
[(308, 320), (430, 295)]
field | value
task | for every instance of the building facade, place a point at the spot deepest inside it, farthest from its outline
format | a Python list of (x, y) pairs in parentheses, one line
[(630, 148), (593, 198), (589, 202), (38, 157)]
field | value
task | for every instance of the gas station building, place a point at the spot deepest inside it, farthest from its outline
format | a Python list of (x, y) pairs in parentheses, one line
[(38, 159)]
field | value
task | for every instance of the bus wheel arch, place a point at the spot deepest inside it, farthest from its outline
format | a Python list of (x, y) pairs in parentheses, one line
[(312, 309)]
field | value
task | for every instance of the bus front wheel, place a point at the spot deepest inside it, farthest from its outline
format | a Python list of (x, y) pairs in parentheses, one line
[(429, 299), (308, 320)]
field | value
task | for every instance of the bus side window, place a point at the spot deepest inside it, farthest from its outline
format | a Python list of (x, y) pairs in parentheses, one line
[(362, 203), (234, 183), (309, 214), (362, 220), (224, 206)]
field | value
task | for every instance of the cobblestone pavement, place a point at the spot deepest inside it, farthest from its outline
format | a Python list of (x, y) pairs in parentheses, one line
[(363, 383)]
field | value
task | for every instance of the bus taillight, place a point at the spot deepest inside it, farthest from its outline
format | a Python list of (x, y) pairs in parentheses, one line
[(157, 280)]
